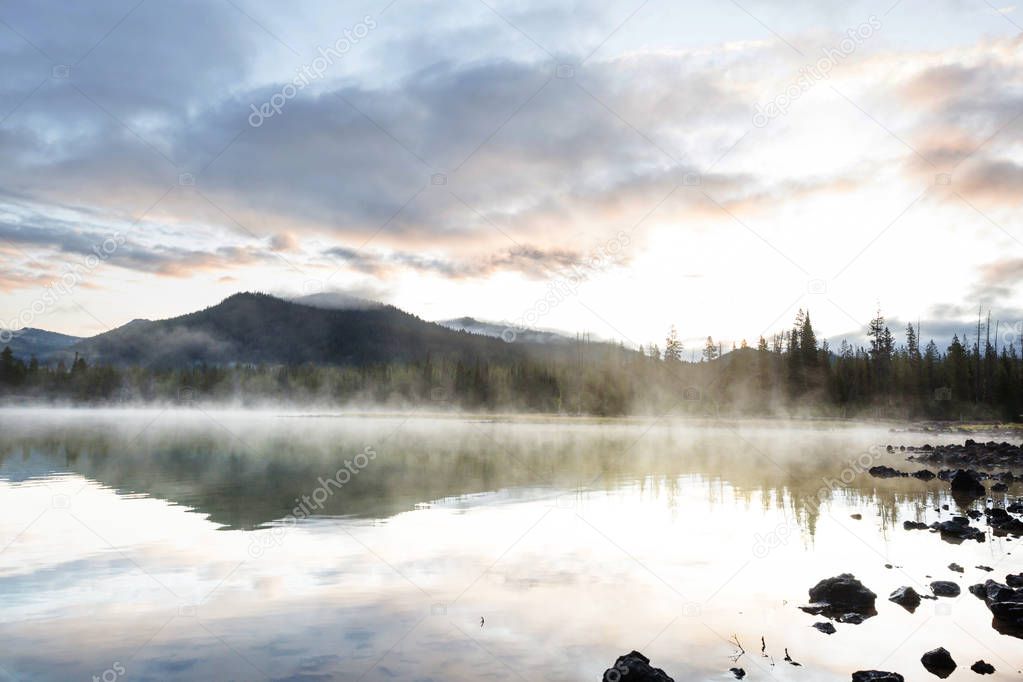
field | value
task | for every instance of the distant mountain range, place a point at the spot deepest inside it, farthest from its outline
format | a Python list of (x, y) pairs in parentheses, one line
[(506, 332), (324, 328), (39, 343)]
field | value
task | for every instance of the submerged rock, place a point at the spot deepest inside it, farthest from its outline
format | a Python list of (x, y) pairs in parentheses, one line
[(945, 588), (983, 668), (924, 475), (876, 676), (738, 672), (939, 662)]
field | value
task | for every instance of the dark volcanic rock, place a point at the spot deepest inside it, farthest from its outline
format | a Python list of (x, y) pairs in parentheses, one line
[(967, 482), (1006, 605), (635, 667), (883, 471), (945, 588), (939, 662), (955, 567), (1014, 580), (906, 597), (1003, 522), (978, 591), (914, 525), (958, 528), (972, 454), (825, 627), (738, 672), (983, 668), (876, 676), (999, 488), (923, 475), (843, 598)]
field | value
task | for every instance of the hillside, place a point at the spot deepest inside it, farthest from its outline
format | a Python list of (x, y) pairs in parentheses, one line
[(38, 343), (259, 329)]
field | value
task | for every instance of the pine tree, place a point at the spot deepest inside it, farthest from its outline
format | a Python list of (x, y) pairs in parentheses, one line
[(710, 350), (672, 346)]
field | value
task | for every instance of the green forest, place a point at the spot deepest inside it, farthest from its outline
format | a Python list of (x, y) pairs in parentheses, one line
[(789, 374)]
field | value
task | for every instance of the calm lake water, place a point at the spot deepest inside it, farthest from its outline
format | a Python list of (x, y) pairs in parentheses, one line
[(193, 545)]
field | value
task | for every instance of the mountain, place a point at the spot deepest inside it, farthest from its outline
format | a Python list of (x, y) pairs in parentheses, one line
[(256, 328), (39, 343), (335, 300), (506, 332)]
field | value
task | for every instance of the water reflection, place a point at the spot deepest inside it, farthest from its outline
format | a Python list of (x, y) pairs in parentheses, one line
[(168, 543)]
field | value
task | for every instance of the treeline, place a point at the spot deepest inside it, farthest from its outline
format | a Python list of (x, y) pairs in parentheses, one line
[(791, 373)]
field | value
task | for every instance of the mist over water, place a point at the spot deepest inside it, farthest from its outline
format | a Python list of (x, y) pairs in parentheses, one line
[(177, 545)]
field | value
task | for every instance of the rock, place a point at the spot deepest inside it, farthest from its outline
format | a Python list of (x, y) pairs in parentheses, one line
[(1006, 605), (842, 597), (958, 528), (984, 568), (967, 482), (852, 618), (876, 676), (906, 597), (939, 662), (635, 667), (884, 471), (1003, 522), (738, 672), (999, 488), (825, 627), (945, 588), (923, 475), (978, 591), (914, 525), (856, 517), (955, 567), (982, 668), (1014, 580)]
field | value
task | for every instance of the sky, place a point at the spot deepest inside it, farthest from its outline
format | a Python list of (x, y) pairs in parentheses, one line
[(610, 168)]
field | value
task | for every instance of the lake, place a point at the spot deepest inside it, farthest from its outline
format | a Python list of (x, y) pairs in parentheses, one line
[(199, 545)]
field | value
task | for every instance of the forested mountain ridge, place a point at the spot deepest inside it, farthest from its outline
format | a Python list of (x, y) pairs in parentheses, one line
[(254, 348), (257, 329)]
